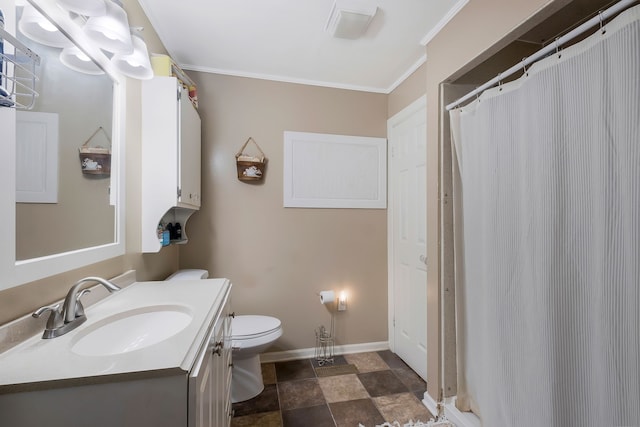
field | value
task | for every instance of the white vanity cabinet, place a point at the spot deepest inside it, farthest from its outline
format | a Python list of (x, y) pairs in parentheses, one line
[(183, 381), (171, 143)]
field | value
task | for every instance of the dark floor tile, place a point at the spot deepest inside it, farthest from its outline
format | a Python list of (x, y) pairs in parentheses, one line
[(392, 359), (300, 394), (263, 419), (337, 360), (379, 383), (318, 416), (294, 370), (264, 402), (354, 412), (410, 379)]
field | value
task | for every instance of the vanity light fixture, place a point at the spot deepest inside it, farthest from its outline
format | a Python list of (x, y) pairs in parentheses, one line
[(39, 29), (110, 32), (349, 19), (84, 7), (77, 60), (135, 64)]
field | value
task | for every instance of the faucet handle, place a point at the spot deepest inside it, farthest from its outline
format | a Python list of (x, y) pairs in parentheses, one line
[(79, 306), (39, 312), (55, 319)]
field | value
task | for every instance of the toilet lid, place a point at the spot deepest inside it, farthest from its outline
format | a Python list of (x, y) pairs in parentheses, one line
[(252, 326)]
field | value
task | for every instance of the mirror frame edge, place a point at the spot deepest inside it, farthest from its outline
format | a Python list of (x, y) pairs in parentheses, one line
[(17, 273)]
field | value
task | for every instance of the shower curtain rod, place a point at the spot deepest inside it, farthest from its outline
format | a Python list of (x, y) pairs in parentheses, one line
[(555, 46)]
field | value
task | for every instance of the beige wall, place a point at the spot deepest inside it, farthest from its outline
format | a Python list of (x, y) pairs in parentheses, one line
[(278, 259), (24, 299), (412, 88), (478, 31)]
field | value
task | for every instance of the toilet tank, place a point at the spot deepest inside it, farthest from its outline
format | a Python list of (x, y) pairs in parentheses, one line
[(189, 274)]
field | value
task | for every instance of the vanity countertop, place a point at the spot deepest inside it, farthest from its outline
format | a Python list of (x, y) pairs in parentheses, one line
[(47, 363)]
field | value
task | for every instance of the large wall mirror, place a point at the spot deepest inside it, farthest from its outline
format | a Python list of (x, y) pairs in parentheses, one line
[(79, 219)]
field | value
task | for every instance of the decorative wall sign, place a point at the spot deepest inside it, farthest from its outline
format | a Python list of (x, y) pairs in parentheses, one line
[(95, 160), (250, 168)]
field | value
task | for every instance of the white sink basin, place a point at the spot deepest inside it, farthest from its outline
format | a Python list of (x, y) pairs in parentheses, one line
[(131, 330)]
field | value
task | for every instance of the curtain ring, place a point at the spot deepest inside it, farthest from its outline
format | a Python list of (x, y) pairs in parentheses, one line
[(558, 47), (603, 30), (524, 67)]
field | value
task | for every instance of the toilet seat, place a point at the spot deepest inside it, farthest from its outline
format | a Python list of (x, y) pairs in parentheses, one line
[(253, 326), (251, 333), (189, 274)]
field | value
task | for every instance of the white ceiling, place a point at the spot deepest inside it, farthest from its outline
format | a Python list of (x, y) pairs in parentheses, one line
[(285, 40)]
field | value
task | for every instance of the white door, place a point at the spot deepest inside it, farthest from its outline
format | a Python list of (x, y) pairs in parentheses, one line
[(407, 132)]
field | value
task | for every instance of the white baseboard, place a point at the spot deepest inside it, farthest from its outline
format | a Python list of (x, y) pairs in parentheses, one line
[(458, 418), (308, 353), (453, 414), (430, 403)]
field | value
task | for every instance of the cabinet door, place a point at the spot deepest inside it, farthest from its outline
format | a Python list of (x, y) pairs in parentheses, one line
[(224, 410), (210, 379), (202, 391), (189, 152), (219, 404)]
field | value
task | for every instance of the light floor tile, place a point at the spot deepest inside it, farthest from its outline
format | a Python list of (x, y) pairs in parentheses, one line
[(263, 419), (402, 407), (342, 388), (268, 373), (367, 362)]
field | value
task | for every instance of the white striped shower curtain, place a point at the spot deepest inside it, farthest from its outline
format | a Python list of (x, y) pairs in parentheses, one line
[(548, 239)]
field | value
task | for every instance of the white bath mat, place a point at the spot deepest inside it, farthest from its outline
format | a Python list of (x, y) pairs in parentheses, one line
[(440, 422)]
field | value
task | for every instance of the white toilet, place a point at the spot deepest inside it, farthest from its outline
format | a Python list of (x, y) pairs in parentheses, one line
[(250, 336)]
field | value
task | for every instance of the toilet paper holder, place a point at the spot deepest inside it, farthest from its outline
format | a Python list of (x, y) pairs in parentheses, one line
[(327, 297), (325, 338)]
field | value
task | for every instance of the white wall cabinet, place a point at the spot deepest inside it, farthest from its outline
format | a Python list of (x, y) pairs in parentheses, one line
[(171, 141)]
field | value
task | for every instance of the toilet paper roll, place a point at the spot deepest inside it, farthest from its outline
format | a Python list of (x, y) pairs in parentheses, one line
[(327, 296)]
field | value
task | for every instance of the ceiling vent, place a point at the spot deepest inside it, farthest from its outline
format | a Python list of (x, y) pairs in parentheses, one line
[(349, 19)]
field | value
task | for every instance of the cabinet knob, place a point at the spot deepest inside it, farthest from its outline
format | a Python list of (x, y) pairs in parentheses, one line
[(232, 314), (217, 348)]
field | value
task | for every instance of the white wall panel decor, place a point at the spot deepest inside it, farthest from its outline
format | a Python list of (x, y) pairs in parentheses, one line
[(334, 171), (36, 157)]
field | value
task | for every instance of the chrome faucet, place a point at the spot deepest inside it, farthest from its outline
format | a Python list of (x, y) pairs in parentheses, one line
[(71, 315)]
